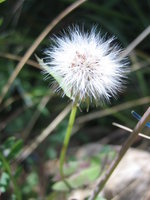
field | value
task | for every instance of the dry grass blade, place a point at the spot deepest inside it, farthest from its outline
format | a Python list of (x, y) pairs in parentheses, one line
[(141, 65), (18, 58), (103, 179), (37, 141), (13, 116), (36, 65), (9, 101), (129, 130), (143, 55), (35, 116), (36, 43), (112, 110), (135, 42)]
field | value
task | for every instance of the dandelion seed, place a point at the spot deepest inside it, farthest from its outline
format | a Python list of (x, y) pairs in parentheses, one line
[(86, 66)]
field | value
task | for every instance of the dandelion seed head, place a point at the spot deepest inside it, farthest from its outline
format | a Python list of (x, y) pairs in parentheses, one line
[(88, 65)]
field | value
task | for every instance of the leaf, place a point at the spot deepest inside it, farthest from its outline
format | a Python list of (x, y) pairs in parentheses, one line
[(1, 21), (1, 164), (32, 180), (60, 186), (7, 146), (54, 75), (2, 189), (1, 1), (71, 168), (9, 143), (82, 178), (15, 149), (56, 196), (18, 172), (4, 181), (13, 197), (85, 176), (100, 198)]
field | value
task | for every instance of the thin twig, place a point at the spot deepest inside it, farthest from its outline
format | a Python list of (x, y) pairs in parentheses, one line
[(112, 110), (36, 43), (144, 55), (36, 64), (129, 130), (18, 58), (135, 42), (45, 133), (13, 116), (103, 180), (141, 65), (35, 116), (9, 101)]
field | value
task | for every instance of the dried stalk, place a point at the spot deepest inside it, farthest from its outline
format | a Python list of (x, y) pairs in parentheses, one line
[(35, 45), (103, 180)]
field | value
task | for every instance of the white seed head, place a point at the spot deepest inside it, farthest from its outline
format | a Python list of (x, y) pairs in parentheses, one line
[(86, 65)]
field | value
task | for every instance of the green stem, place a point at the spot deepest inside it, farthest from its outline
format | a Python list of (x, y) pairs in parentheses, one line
[(8, 169), (65, 144)]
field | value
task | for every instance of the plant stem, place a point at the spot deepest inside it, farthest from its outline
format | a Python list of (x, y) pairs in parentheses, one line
[(66, 142), (101, 183), (8, 169)]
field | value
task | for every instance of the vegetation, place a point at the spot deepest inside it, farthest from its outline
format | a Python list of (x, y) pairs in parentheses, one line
[(34, 119)]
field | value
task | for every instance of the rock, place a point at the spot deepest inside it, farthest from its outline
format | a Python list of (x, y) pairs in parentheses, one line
[(131, 179)]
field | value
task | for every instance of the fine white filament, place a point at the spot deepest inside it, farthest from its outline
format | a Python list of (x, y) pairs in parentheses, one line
[(88, 64)]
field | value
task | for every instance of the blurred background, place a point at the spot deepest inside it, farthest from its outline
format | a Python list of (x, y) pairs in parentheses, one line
[(30, 106)]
